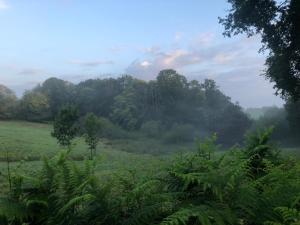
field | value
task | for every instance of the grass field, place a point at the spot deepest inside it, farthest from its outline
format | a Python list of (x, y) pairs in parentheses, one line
[(27, 143), (33, 140)]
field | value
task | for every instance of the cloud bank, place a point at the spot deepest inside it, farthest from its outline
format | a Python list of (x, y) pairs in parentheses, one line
[(234, 64), (91, 63)]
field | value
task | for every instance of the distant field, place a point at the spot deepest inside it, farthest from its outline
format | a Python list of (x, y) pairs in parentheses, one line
[(22, 139), (26, 143), (32, 141)]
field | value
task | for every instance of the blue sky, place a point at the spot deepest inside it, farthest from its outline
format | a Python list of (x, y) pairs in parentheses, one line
[(76, 40)]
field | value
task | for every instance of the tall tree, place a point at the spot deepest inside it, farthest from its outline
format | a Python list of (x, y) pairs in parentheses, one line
[(34, 106), (58, 92), (124, 111), (278, 23), (8, 101), (92, 127), (65, 125)]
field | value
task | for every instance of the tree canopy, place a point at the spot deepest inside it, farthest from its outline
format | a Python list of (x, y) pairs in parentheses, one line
[(8, 101), (278, 24), (170, 100)]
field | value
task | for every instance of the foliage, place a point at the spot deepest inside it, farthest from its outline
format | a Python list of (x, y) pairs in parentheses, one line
[(283, 120), (34, 106), (289, 216), (129, 103), (278, 24), (152, 128), (65, 125), (59, 93), (8, 101), (124, 111), (179, 133), (293, 117), (196, 188), (259, 152), (92, 127)]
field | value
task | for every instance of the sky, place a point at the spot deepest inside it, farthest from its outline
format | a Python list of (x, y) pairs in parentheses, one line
[(76, 40)]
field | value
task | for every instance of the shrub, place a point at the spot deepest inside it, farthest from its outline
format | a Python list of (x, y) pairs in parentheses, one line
[(110, 130), (179, 134), (152, 128)]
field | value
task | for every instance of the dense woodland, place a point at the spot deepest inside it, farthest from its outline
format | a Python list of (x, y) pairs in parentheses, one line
[(170, 106), (169, 103)]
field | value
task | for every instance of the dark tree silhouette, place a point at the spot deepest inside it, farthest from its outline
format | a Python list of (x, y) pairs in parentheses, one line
[(278, 23)]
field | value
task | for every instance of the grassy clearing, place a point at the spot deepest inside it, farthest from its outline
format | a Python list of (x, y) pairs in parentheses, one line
[(31, 141), (27, 143)]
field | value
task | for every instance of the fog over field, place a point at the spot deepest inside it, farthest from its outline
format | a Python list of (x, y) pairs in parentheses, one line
[(154, 112)]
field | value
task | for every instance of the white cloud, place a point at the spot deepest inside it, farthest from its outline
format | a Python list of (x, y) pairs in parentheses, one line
[(153, 50), (31, 71), (91, 63), (145, 63), (223, 58), (170, 59), (3, 5), (234, 64), (204, 39)]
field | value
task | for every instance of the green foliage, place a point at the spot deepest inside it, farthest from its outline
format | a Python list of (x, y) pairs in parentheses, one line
[(152, 128), (59, 195), (284, 120), (34, 106), (111, 131), (293, 117), (92, 128), (250, 185), (130, 103), (8, 102), (278, 24), (179, 133), (260, 152), (124, 111), (288, 216), (59, 93), (65, 125)]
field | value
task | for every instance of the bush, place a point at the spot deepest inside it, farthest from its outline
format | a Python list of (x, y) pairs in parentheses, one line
[(110, 130), (179, 134), (152, 128)]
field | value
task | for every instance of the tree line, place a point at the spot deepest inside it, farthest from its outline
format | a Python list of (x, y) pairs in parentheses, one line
[(168, 103)]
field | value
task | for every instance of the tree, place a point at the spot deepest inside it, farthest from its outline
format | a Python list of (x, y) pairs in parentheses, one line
[(293, 117), (172, 88), (65, 125), (278, 23), (58, 92), (124, 110), (8, 102), (34, 106), (92, 127), (97, 95)]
